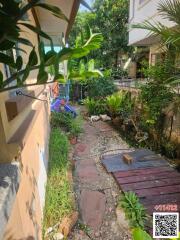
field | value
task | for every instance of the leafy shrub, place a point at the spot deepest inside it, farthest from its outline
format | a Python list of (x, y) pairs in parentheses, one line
[(95, 106), (155, 97), (114, 103), (134, 210), (118, 73), (139, 234), (101, 87), (65, 121), (75, 127), (61, 119)]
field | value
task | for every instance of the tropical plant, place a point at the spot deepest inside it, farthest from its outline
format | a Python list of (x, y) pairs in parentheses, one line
[(114, 103), (84, 71), (101, 87), (170, 40), (61, 120), (95, 106), (11, 14), (139, 234), (75, 128), (111, 18), (134, 210)]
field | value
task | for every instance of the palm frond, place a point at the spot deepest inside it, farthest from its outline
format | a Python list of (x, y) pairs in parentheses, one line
[(170, 10), (86, 5)]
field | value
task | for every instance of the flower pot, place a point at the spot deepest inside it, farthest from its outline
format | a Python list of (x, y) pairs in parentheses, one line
[(116, 121), (73, 140)]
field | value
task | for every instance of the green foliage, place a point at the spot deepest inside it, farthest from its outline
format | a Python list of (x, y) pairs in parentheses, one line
[(66, 121), (155, 94), (82, 72), (75, 127), (139, 234), (95, 106), (100, 87), (111, 18), (170, 41), (118, 73), (58, 190), (134, 210), (169, 36), (127, 105), (61, 119), (113, 103), (12, 18)]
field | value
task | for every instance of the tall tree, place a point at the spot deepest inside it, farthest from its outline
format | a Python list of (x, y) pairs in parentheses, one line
[(110, 17)]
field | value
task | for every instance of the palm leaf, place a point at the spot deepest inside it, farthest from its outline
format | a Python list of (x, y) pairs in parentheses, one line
[(86, 5), (170, 10)]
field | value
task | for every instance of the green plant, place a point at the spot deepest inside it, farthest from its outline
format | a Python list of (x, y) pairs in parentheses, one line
[(169, 37), (11, 15), (119, 73), (61, 119), (100, 87), (114, 103), (109, 17), (134, 210), (95, 106), (168, 149), (75, 127), (59, 201), (139, 234)]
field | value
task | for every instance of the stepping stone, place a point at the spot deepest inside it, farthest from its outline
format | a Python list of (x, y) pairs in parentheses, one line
[(103, 127), (87, 171), (92, 206), (82, 149)]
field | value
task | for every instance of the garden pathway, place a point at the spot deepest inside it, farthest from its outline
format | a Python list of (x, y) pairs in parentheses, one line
[(96, 191)]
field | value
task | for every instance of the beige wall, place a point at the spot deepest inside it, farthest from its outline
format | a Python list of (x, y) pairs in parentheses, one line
[(26, 215), (28, 144)]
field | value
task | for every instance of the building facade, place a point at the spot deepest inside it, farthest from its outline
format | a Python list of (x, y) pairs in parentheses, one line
[(140, 11)]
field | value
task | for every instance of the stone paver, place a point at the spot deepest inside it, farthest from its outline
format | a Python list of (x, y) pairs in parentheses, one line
[(92, 206), (87, 171), (96, 191)]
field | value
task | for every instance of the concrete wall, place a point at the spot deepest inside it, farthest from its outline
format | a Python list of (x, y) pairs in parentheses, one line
[(141, 10), (24, 139), (27, 211)]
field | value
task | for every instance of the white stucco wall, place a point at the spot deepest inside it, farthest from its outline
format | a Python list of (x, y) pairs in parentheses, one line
[(141, 10)]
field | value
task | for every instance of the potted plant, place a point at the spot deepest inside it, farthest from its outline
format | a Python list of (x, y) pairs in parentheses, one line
[(75, 130), (113, 105)]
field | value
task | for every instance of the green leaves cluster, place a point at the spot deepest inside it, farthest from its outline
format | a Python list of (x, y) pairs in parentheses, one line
[(114, 103), (95, 106), (156, 95), (100, 87), (11, 15), (170, 40), (138, 234), (134, 210), (169, 10), (109, 17), (67, 122)]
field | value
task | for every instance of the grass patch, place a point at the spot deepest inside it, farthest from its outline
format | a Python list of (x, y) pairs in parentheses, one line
[(59, 200)]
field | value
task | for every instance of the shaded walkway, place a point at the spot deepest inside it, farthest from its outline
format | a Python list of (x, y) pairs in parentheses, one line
[(96, 190)]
